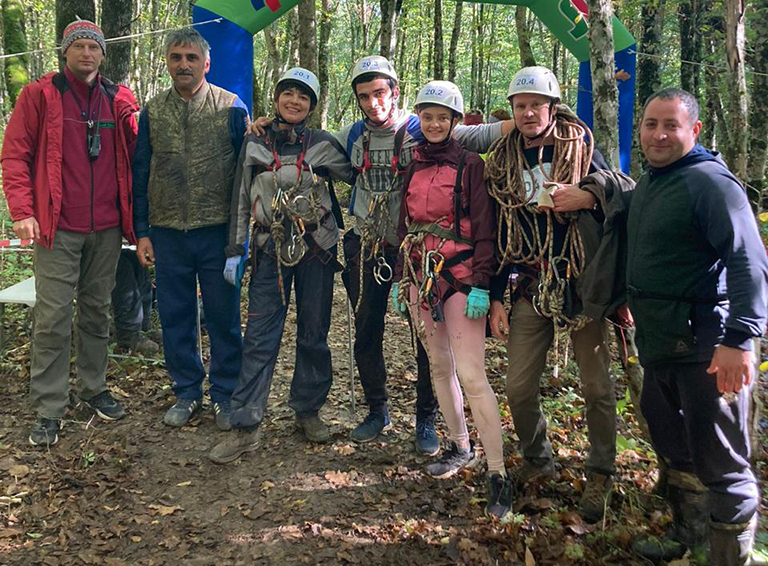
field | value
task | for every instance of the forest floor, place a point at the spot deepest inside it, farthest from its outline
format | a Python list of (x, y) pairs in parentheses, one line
[(138, 492)]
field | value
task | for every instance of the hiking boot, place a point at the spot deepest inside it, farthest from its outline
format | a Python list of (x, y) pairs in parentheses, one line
[(534, 471), (106, 406), (45, 432), (182, 411), (373, 425), (237, 443), (596, 497), (689, 530), (501, 495), (139, 345), (426, 438), (452, 460), (313, 428), (221, 411), (731, 545)]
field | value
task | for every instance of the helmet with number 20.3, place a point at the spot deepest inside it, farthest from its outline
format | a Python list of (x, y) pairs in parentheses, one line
[(442, 93), (374, 64), (303, 76), (534, 80)]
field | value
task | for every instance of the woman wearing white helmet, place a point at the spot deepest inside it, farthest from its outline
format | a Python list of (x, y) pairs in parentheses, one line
[(448, 228), (282, 184)]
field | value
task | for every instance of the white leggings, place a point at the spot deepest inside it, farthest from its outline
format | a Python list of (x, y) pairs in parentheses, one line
[(457, 346)]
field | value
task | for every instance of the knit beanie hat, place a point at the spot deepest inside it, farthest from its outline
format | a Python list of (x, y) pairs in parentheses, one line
[(82, 29)]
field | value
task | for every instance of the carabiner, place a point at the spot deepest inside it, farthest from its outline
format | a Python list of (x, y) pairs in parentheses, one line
[(382, 272)]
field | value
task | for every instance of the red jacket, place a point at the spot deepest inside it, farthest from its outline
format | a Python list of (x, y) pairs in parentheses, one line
[(32, 154)]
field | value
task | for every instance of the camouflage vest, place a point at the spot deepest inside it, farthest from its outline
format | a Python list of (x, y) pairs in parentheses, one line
[(193, 161)]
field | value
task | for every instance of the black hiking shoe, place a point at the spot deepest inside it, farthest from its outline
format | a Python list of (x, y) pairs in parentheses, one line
[(426, 438), (222, 411), (106, 406), (452, 461), (371, 427), (182, 411), (45, 432), (501, 495)]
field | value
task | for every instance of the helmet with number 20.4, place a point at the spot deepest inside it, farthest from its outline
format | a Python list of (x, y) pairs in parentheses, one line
[(304, 77), (374, 64), (442, 93), (535, 80)]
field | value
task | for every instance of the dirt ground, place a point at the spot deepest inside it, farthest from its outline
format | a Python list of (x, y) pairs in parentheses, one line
[(138, 492)]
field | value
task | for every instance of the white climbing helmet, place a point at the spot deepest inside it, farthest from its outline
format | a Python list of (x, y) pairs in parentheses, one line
[(374, 64), (534, 80), (442, 93), (304, 77)]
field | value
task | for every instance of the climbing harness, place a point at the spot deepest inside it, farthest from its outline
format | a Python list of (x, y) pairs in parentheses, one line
[(520, 218), (373, 228), (294, 215)]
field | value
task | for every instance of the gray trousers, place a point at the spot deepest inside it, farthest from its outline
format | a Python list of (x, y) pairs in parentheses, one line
[(530, 337), (82, 266)]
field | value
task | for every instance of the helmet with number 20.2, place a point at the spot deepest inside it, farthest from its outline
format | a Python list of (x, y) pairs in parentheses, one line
[(374, 64), (534, 80), (303, 76), (442, 93)]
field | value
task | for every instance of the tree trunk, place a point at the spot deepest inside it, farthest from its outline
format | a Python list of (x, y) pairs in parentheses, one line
[(68, 11), (295, 41), (524, 37), (473, 58), (758, 117), (453, 54), (14, 41), (736, 152), (388, 28), (605, 94), (307, 35), (648, 69), (439, 46), (688, 18), (323, 60), (275, 59), (116, 22)]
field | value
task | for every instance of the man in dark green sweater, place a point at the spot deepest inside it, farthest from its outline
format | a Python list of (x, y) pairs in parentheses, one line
[(696, 276)]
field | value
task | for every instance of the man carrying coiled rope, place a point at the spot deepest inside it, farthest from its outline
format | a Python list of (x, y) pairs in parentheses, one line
[(281, 183), (533, 175)]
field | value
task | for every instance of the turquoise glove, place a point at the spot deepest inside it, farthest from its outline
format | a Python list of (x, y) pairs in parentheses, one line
[(478, 303), (400, 307), (233, 270)]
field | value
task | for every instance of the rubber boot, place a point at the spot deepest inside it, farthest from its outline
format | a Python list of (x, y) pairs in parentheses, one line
[(731, 544), (688, 499)]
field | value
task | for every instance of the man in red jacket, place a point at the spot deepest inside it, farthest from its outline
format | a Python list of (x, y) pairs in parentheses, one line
[(66, 164)]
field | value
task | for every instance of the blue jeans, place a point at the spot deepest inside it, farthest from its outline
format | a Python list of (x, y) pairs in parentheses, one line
[(699, 431), (182, 258), (312, 374)]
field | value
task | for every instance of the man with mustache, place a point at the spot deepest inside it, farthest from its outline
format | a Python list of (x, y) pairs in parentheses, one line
[(66, 174), (189, 140)]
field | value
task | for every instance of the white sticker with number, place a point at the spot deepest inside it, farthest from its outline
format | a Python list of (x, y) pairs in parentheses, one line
[(534, 181)]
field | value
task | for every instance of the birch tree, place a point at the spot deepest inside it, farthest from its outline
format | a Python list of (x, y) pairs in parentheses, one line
[(605, 94), (736, 151), (758, 116)]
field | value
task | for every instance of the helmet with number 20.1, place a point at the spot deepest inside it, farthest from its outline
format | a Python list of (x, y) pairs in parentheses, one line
[(374, 64), (442, 93), (534, 80), (302, 76)]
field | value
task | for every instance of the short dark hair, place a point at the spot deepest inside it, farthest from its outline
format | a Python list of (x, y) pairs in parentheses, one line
[(688, 100), (301, 87), (368, 77)]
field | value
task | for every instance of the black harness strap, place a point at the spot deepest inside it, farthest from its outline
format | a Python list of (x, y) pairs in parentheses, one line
[(457, 197)]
